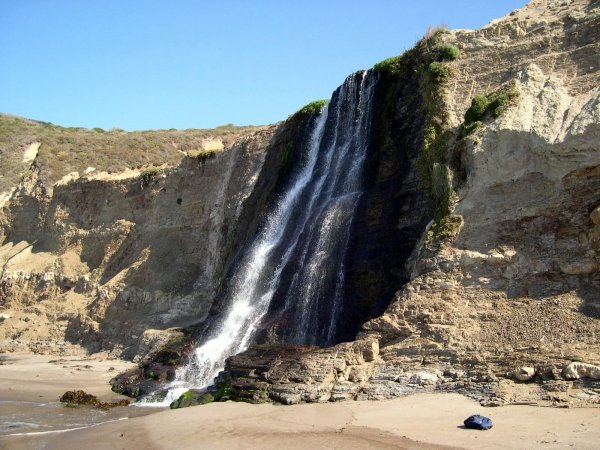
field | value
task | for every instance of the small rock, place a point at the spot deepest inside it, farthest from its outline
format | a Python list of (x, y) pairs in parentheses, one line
[(424, 378), (524, 373), (578, 267), (595, 215)]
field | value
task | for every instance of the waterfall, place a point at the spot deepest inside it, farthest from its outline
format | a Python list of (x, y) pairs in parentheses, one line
[(306, 234)]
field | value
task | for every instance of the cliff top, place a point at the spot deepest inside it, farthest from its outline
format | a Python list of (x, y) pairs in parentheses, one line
[(58, 151), (561, 37)]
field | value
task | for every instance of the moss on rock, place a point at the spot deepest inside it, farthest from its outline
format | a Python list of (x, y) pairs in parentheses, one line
[(192, 398), (81, 398)]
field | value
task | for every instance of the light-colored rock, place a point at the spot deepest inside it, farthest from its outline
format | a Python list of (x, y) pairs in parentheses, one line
[(424, 378), (153, 340), (577, 370), (524, 373), (579, 267), (31, 152), (67, 179)]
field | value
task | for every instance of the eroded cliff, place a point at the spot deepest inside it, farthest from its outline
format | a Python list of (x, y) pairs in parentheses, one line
[(106, 261), (503, 299)]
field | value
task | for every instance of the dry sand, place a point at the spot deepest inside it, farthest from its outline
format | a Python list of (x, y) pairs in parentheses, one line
[(418, 421)]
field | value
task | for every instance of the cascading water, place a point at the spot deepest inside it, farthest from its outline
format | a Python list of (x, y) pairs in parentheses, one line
[(306, 234)]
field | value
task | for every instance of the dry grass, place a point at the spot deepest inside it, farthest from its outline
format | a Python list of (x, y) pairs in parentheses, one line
[(65, 150)]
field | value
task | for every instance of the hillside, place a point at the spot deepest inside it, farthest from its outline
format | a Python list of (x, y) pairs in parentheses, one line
[(58, 151)]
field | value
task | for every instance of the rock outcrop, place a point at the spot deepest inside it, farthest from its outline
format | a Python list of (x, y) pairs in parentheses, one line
[(106, 261), (512, 294)]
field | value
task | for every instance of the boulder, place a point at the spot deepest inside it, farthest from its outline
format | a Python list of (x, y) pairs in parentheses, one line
[(82, 398), (579, 266), (424, 378), (577, 370), (192, 398)]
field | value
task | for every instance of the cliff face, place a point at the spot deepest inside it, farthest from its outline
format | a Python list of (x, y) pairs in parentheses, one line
[(515, 294), (102, 260), (508, 292)]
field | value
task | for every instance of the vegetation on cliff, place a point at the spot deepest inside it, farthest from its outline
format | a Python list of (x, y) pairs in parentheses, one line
[(436, 172), (493, 104), (314, 107), (433, 57), (148, 175), (68, 149)]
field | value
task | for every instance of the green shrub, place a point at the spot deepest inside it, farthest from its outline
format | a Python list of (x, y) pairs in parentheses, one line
[(447, 52), (445, 228), (147, 176), (499, 104), (315, 107), (389, 66), (438, 71), (495, 103), (476, 111), (205, 155), (470, 128)]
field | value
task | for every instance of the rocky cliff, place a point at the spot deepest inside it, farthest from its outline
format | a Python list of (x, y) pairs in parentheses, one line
[(472, 262), (503, 302), (109, 261)]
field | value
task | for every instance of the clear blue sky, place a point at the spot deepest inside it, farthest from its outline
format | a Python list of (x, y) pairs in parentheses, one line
[(145, 64)]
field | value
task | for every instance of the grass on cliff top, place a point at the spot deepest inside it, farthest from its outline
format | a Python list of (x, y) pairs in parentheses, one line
[(437, 51), (314, 107), (64, 150)]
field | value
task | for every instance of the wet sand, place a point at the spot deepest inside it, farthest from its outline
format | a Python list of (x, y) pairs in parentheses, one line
[(31, 385), (414, 422), (29, 377)]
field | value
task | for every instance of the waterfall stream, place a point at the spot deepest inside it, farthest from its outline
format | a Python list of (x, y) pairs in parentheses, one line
[(305, 236)]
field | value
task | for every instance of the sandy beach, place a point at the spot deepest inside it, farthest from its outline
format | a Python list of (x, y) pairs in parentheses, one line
[(414, 422), (30, 377)]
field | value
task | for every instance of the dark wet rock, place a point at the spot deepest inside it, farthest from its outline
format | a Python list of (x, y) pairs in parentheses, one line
[(157, 369), (81, 398), (192, 398)]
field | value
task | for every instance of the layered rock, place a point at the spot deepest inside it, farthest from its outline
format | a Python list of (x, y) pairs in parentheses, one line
[(511, 295), (105, 260), (294, 374)]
